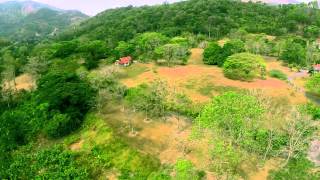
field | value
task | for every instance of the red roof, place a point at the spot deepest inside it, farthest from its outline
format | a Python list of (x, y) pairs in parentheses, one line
[(316, 66), (125, 60)]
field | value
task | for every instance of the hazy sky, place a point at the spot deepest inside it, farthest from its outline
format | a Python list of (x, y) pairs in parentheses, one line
[(92, 7)]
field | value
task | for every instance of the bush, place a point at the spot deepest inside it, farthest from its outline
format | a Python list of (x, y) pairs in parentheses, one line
[(213, 55), (60, 125), (233, 47), (278, 74), (65, 93), (53, 163), (297, 168), (313, 110), (245, 67), (313, 84)]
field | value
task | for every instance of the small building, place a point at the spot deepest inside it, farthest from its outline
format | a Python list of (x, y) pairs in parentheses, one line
[(315, 69), (124, 61)]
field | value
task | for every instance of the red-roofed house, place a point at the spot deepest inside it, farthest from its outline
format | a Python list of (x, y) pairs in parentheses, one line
[(124, 61), (316, 68)]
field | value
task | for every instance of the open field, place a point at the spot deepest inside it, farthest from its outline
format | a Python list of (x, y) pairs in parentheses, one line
[(188, 78)]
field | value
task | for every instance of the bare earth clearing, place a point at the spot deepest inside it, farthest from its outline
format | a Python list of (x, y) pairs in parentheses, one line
[(180, 76)]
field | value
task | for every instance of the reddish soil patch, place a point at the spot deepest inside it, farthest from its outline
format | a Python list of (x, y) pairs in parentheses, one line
[(176, 76), (76, 146), (23, 82)]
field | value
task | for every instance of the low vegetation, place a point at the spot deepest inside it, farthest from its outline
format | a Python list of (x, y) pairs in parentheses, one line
[(278, 74)]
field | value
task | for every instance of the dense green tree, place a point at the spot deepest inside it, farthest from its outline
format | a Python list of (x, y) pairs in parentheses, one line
[(213, 55), (294, 53), (65, 48), (146, 43), (67, 94), (124, 49), (173, 53), (233, 47), (244, 66)]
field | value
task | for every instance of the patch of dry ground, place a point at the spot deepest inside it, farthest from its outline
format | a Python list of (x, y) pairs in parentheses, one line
[(22, 82), (179, 75), (168, 139)]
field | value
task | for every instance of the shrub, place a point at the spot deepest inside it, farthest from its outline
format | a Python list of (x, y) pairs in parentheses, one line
[(278, 74), (60, 125), (297, 168), (213, 55), (313, 110), (313, 84), (53, 163), (185, 170), (233, 47), (244, 66)]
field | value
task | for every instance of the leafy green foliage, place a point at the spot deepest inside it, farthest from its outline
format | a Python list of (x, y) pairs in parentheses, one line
[(278, 74), (232, 112), (217, 19), (66, 48), (227, 158), (313, 110), (146, 43), (245, 67), (297, 168), (233, 47), (313, 84), (213, 55), (54, 163), (150, 99), (173, 53), (93, 52), (184, 169), (294, 53), (124, 49), (65, 93), (239, 117)]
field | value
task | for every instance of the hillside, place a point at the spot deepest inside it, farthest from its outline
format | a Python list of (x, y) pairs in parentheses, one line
[(28, 20), (195, 90), (214, 18)]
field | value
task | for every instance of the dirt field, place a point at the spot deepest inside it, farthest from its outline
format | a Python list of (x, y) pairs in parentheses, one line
[(181, 75), (22, 82)]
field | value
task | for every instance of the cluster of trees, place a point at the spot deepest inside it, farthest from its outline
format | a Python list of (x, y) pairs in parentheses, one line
[(213, 18), (55, 109), (236, 121), (217, 55)]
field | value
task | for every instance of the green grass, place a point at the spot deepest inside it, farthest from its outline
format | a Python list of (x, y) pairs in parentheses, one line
[(208, 89), (133, 71), (278, 74)]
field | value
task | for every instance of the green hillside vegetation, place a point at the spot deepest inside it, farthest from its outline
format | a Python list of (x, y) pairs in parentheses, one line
[(41, 22), (195, 104)]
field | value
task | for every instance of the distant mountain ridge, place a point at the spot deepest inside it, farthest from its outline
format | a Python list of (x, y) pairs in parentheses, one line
[(25, 20), (278, 1)]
